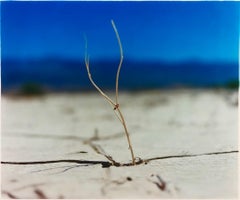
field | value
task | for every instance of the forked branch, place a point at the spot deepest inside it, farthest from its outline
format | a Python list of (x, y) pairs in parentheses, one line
[(115, 105), (94, 84)]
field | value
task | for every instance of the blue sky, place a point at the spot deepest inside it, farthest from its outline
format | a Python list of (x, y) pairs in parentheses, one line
[(165, 31)]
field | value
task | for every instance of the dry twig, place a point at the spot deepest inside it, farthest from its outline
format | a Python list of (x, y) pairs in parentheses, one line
[(115, 105)]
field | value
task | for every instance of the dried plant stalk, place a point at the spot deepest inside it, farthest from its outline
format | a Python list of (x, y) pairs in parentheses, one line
[(121, 59), (115, 105)]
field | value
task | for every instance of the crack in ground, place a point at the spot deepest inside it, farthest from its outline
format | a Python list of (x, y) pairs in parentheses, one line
[(103, 163), (66, 168), (116, 164), (68, 137), (99, 150), (191, 155)]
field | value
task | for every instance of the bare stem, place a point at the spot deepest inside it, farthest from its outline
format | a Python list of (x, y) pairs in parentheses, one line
[(94, 84), (121, 58), (127, 135), (115, 105), (90, 76)]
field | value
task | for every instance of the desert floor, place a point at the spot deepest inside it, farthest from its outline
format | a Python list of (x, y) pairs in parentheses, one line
[(58, 145)]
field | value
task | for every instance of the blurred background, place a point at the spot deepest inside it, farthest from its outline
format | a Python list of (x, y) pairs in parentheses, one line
[(165, 45)]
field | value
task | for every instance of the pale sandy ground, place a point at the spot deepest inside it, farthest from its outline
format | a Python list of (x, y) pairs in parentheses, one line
[(161, 123)]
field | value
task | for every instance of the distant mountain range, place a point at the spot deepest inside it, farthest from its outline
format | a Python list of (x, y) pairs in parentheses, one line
[(60, 74)]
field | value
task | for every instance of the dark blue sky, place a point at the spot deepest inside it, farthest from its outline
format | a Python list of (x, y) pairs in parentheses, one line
[(168, 31)]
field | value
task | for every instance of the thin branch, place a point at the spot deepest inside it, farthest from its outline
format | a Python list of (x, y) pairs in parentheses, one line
[(117, 114), (118, 111), (115, 105), (90, 77), (121, 58), (127, 135)]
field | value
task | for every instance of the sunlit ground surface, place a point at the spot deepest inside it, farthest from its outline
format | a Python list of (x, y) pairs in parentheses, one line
[(84, 127)]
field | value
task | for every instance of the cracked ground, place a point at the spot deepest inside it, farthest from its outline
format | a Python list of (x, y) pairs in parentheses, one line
[(73, 146)]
